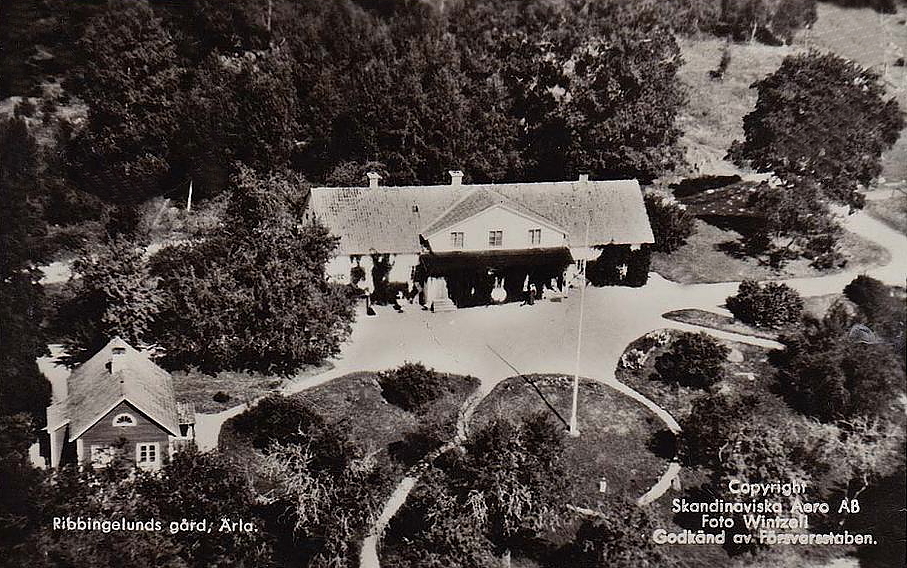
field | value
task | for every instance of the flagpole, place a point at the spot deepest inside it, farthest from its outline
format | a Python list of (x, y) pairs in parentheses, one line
[(574, 429)]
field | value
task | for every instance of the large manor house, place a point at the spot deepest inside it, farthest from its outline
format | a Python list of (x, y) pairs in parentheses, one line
[(461, 244)]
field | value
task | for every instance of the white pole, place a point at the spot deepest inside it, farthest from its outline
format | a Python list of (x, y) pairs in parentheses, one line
[(189, 199), (574, 429)]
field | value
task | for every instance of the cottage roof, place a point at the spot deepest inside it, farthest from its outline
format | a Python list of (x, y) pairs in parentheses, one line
[(116, 373), (390, 219)]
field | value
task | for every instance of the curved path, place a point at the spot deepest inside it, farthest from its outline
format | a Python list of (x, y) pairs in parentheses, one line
[(622, 316), (541, 338)]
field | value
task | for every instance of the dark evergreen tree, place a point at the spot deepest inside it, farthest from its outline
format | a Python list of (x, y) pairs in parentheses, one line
[(22, 387)]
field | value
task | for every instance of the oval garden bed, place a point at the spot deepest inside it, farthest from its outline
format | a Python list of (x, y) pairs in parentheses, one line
[(514, 487)]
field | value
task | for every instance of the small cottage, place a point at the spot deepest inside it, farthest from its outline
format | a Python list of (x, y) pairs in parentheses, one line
[(118, 404)]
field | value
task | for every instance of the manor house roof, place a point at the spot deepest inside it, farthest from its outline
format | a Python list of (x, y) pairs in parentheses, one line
[(389, 219)]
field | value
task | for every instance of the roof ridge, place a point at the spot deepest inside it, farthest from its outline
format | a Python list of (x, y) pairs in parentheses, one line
[(466, 195)]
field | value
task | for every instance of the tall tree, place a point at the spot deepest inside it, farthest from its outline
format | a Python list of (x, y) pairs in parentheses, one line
[(130, 79), (240, 108), (821, 118), (110, 294), (254, 294), (22, 386)]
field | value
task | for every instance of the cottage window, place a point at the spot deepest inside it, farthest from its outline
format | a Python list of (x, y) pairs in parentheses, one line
[(535, 236), (147, 455), (495, 238), (456, 240), (123, 420)]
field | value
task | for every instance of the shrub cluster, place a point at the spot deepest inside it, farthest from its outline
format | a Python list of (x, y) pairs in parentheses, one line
[(771, 305), (617, 265), (671, 224), (694, 360), (412, 386)]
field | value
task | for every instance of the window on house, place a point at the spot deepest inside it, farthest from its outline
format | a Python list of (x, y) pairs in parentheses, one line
[(123, 420), (456, 240), (147, 455), (535, 236), (495, 238)]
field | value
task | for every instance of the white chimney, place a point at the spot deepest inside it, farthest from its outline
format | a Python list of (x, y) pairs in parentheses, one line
[(584, 177), (116, 359), (456, 177), (373, 179)]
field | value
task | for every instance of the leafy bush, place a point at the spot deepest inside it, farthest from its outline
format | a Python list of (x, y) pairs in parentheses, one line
[(617, 265), (825, 374), (671, 223), (286, 421), (638, 267), (772, 305), (694, 360), (412, 386), (24, 108)]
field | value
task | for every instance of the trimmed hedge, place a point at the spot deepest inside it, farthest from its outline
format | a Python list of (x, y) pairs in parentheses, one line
[(412, 386), (694, 360), (772, 305)]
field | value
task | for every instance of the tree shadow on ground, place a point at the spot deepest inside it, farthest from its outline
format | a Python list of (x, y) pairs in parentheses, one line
[(692, 186), (663, 444)]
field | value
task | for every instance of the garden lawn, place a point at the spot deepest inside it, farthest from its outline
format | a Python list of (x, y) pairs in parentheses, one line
[(678, 401), (231, 388), (891, 211), (354, 406), (614, 432), (702, 259), (717, 321)]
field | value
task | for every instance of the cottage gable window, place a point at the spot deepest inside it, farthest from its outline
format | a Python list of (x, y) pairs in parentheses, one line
[(124, 419), (147, 455), (495, 238), (456, 240), (535, 236)]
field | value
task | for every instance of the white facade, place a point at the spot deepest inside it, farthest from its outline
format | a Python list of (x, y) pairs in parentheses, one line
[(402, 265), (516, 230)]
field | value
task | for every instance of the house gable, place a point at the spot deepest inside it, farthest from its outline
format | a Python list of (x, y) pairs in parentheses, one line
[(105, 432), (513, 225), (115, 374)]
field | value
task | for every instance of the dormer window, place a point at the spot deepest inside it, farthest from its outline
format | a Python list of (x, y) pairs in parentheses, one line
[(124, 419)]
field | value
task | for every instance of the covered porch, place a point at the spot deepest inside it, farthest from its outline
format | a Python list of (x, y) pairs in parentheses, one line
[(464, 279)]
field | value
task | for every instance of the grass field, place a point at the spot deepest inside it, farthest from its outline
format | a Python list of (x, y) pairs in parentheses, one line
[(891, 211), (354, 406), (614, 432), (702, 260), (717, 321), (714, 115), (236, 387)]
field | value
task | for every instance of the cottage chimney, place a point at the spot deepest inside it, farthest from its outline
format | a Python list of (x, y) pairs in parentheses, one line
[(584, 177), (116, 359), (373, 179), (456, 177)]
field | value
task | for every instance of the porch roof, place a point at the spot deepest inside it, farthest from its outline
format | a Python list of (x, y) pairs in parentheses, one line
[(438, 264)]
